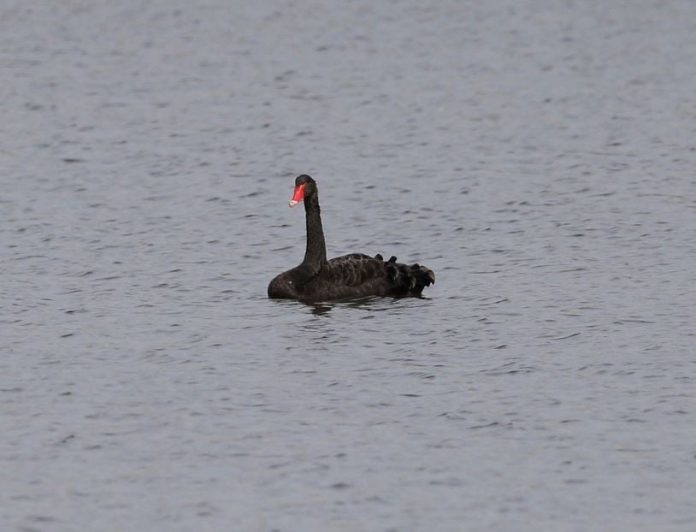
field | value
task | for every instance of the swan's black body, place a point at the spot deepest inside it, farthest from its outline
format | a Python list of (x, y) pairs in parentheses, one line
[(350, 276)]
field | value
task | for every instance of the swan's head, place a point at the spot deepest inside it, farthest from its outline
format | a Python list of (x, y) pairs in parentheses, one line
[(304, 186)]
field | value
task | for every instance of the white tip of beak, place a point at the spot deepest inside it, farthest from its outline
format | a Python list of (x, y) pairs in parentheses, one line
[(292, 203)]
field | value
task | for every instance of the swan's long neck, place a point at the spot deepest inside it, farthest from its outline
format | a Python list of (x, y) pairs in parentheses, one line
[(315, 255)]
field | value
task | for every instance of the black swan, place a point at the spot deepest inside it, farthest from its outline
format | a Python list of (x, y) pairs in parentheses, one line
[(351, 276)]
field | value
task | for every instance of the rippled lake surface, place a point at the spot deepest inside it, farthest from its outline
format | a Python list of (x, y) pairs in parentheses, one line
[(538, 156)]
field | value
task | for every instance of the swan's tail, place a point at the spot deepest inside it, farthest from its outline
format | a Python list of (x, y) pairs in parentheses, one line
[(408, 280)]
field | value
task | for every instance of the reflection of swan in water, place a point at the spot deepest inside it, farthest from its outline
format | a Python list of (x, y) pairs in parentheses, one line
[(319, 309), (351, 276)]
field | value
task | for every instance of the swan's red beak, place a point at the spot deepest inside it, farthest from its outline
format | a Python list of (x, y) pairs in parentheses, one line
[(297, 195)]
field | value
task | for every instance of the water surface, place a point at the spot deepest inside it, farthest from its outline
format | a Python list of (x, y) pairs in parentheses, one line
[(538, 156)]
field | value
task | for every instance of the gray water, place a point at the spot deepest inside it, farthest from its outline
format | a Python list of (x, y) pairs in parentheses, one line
[(539, 156)]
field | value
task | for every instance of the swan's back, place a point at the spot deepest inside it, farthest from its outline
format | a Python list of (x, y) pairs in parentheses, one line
[(358, 275)]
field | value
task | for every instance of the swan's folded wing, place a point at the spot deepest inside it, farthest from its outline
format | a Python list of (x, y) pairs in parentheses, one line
[(355, 270)]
